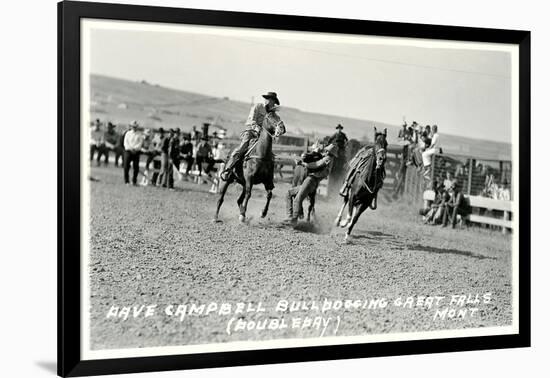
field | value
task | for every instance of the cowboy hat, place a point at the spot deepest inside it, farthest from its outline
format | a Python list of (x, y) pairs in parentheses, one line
[(134, 123), (339, 126), (332, 149), (317, 146), (273, 96)]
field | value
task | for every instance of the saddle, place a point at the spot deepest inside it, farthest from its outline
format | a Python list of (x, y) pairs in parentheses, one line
[(252, 154), (363, 167)]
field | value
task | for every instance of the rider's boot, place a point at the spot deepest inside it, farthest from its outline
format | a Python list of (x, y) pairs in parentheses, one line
[(345, 186), (229, 167)]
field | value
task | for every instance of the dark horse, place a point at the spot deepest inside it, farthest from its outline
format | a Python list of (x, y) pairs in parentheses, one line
[(257, 168), (367, 181)]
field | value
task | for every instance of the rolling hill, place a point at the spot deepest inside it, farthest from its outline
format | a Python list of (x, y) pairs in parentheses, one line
[(122, 101)]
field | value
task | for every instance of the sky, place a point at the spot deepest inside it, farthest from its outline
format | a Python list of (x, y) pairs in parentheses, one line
[(465, 92)]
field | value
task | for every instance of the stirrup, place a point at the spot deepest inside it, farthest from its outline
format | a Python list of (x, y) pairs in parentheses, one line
[(225, 175), (344, 191)]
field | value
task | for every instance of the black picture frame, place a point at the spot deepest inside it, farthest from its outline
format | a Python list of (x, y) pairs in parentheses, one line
[(69, 274)]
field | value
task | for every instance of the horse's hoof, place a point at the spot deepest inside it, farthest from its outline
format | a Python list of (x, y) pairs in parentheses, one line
[(216, 220), (263, 215), (242, 218), (343, 224)]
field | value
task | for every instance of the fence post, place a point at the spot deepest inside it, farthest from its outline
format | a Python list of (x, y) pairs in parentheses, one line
[(505, 217), (430, 183), (432, 172), (470, 169)]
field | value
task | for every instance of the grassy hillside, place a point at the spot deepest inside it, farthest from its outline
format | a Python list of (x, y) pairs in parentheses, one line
[(122, 101)]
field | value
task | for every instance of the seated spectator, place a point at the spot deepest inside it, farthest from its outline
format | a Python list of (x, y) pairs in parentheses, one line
[(403, 132), (437, 208), (456, 208), (415, 147), (432, 147), (504, 192), (447, 183), (490, 188), (427, 137)]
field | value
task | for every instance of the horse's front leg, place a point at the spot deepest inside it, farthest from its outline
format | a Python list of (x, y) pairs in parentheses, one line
[(241, 197), (244, 205), (220, 199), (268, 200), (357, 211), (351, 208), (339, 216)]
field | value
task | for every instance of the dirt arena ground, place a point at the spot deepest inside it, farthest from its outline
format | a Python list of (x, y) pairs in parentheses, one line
[(151, 246)]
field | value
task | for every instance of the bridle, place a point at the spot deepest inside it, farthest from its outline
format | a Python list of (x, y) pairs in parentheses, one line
[(273, 136), (381, 151), (377, 152)]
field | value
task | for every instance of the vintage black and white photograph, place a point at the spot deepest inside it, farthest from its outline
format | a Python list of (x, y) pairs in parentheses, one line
[(253, 189)]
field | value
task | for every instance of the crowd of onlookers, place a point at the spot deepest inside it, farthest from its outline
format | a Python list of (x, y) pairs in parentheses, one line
[(492, 189), (165, 152), (423, 143), (449, 206), (420, 143)]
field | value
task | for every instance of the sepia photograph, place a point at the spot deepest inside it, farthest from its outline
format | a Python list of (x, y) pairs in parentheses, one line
[(248, 189)]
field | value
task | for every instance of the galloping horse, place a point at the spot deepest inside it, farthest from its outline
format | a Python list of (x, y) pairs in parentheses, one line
[(366, 183), (257, 168)]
